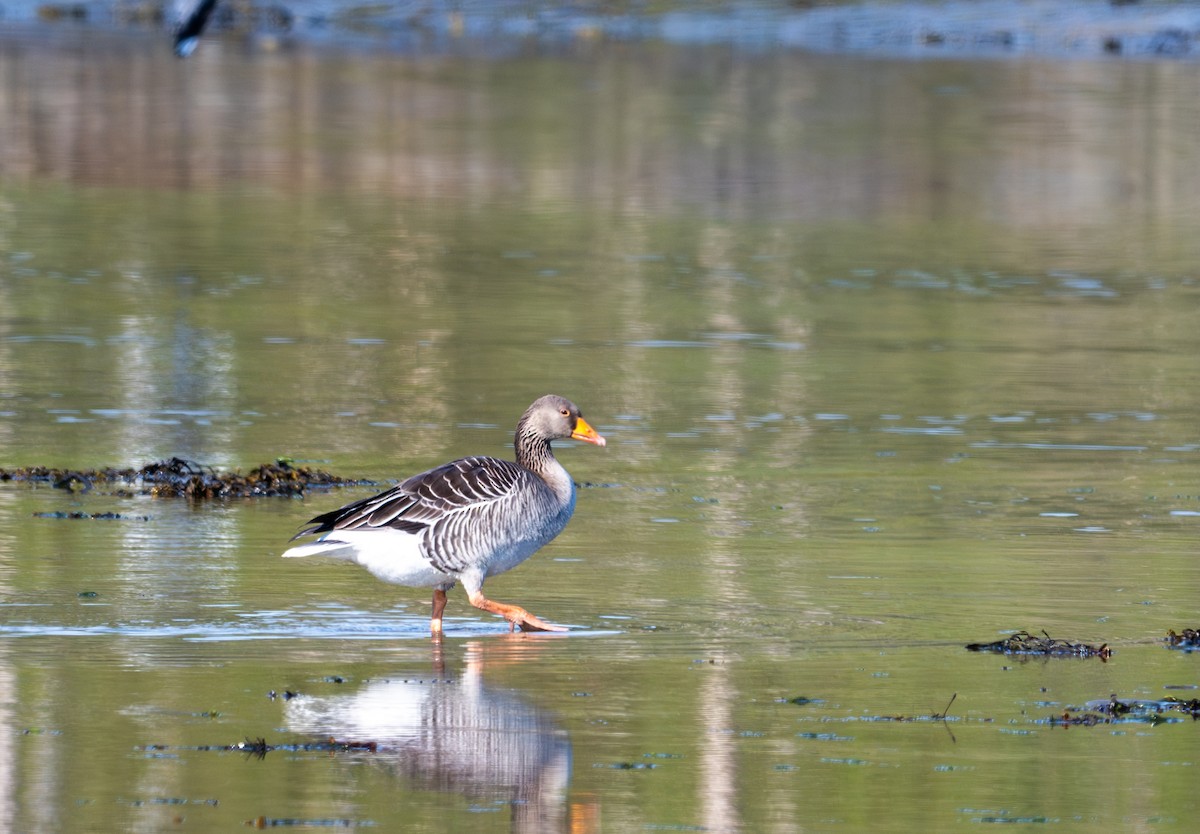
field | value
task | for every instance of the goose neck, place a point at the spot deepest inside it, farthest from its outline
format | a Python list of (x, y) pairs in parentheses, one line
[(534, 452)]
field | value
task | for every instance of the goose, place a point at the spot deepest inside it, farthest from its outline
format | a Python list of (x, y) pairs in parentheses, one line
[(465, 520)]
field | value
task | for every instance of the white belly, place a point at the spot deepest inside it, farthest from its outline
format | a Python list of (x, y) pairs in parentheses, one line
[(390, 555)]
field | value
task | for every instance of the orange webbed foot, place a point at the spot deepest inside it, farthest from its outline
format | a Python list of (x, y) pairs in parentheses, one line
[(517, 616)]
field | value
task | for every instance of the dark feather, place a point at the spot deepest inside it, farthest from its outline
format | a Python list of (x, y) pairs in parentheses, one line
[(425, 499), (189, 31)]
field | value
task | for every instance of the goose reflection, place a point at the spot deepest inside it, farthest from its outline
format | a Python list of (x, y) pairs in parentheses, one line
[(455, 736)]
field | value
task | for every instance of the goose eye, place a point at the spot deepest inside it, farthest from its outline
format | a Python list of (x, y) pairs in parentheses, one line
[(565, 412)]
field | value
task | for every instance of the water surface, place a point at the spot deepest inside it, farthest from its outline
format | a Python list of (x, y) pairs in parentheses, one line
[(891, 356)]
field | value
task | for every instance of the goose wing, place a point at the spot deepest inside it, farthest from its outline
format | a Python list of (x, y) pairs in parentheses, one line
[(440, 505), (424, 499)]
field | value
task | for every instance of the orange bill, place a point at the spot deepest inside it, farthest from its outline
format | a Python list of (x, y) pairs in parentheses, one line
[(587, 434)]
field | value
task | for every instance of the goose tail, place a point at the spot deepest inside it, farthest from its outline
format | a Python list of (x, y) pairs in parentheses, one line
[(329, 548)]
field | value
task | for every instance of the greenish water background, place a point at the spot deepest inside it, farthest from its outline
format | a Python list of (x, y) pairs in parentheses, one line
[(892, 356)]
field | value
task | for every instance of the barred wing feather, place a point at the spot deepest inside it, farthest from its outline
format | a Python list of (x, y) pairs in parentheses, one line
[(459, 508)]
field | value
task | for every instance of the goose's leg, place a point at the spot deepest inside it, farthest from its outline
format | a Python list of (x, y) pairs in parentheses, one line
[(439, 605), (516, 615)]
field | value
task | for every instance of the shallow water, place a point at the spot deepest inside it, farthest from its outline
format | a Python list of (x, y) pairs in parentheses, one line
[(891, 356)]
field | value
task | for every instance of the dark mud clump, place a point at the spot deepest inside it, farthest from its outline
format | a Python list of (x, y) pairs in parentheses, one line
[(1024, 643), (179, 478), (1188, 640)]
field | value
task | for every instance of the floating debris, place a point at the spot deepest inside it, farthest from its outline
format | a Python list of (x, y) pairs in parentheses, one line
[(942, 717), (259, 747), (1114, 710), (172, 800), (1188, 640), (180, 478), (89, 516), (1025, 643), (284, 822)]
